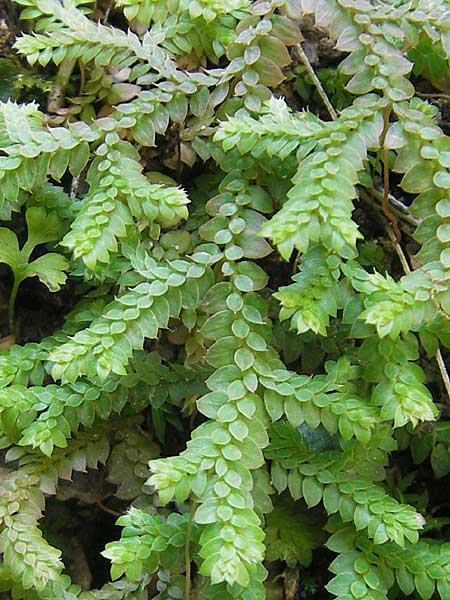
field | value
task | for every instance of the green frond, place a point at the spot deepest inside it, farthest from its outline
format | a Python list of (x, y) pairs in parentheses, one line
[(80, 38), (371, 35), (32, 152), (362, 566), (394, 307), (27, 557), (148, 543), (316, 294), (43, 19), (158, 11), (319, 205), (218, 460), (135, 315), (421, 149), (340, 484), (120, 194), (196, 27), (276, 132)]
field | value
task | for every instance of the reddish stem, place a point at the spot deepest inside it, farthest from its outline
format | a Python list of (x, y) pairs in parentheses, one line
[(385, 202)]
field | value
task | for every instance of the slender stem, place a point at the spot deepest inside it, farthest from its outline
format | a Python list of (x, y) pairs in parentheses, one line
[(106, 16), (98, 496), (434, 96), (400, 210), (107, 509), (11, 303), (187, 554), (317, 82), (82, 76), (399, 250), (443, 371), (385, 202), (295, 266)]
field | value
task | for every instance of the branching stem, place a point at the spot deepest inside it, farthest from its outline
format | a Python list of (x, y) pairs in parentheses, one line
[(317, 82)]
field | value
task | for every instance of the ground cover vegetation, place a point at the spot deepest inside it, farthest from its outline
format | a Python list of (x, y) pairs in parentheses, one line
[(225, 301)]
